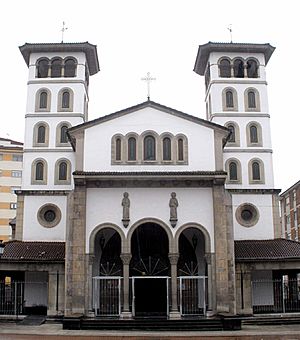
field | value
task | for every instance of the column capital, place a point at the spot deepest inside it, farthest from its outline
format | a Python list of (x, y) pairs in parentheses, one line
[(207, 257), (173, 257), (125, 257)]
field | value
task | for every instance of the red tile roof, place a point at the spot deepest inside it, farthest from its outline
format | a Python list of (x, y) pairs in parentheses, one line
[(266, 250), (34, 251)]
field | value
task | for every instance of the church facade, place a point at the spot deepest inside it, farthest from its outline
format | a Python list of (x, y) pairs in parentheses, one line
[(148, 211)]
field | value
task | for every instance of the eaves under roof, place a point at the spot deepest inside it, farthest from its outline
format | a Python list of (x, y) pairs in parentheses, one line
[(89, 50), (152, 104), (205, 50)]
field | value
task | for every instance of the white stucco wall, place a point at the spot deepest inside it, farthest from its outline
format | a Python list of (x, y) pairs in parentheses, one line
[(32, 230), (97, 145), (264, 228), (104, 206)]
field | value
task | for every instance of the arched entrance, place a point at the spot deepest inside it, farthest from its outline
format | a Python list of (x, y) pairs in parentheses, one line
[(107, 273), (149, 270), (192, 272)]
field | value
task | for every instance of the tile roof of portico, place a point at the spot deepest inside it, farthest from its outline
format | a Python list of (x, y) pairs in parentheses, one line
[(33, 251), (266, 250)]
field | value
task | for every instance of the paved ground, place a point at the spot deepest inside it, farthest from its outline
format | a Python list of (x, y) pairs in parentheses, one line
[(10, 331)]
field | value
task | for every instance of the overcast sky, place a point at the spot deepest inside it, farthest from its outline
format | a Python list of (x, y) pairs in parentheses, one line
[(161, 37)]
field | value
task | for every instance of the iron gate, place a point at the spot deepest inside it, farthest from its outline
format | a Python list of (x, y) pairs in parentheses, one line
[(192, 295), (107, 295)]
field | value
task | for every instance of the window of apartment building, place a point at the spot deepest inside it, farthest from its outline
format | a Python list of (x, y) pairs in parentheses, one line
[(16, 173), (13, 205), (17, 158), (1, 156), (288, 226)]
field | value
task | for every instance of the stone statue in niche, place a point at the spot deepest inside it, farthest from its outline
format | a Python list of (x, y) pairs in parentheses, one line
[(126, 206), (173, 204)]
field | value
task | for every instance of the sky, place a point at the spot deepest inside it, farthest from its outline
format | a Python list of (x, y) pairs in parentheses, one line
[(134, 37)]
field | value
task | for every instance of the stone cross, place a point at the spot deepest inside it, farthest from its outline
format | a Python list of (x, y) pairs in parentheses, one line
[(63, 31), (148, 79)]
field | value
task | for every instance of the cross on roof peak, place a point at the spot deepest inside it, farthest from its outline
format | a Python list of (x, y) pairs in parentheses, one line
[(148, 79)]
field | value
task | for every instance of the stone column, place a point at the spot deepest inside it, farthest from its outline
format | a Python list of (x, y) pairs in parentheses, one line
[(209, 285), (52, 295), (89, 284), (224, 250), (126, 257), (75, 272), (244, 290), (174, 313)]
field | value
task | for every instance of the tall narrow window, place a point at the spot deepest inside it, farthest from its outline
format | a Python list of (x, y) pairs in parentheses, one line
[(149, 148), (180, 149), (253, 134), (255, 171), (70, 68), (63, 134), (132, 149), (63, 171), (42, 68), (225, 68), (56, 67), (252, 69), (233, 174), (39, 171), (118, 149), (229, 99), (41, 134), (251, 100), (238, 68), (232, 133), (167, 149), (43, 100), (65, 100)]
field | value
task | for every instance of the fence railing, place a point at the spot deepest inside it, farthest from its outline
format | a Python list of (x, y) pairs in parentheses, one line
[(276, 296), (192, 295)]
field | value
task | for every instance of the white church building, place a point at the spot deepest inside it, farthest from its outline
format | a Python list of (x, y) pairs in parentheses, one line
[(148, 211)]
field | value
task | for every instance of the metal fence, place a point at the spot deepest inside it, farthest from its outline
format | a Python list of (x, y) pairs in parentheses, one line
[(11, 298), (276, 296), (192, 295), (107, 295)]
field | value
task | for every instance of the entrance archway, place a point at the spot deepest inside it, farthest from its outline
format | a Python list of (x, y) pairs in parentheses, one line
[(149, 270), (192, 272)]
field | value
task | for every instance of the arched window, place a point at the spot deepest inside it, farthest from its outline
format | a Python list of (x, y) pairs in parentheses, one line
[(252, 69), (65, 102), (256, 171), (233, 171), (149, 148), (63, 171), (167, 149), (41, 134), (42, 68), (180, 149), (118, 149), (253, 134), (225, 68), (39, 171), (132, 149), (229, 99), (232, 138), (251, 100), (56, 68), (70, 68), (63, 134), (238, 68), (43, 102)]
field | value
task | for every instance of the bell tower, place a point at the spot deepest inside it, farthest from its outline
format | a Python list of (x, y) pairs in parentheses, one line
[(236, 97), (57, 99)]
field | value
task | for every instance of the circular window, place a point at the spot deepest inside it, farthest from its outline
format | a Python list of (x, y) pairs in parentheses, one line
[(49, 215), (247, 215)]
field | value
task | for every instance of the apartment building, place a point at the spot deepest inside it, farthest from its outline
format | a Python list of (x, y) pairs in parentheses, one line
[(11, 160), (290, 212)]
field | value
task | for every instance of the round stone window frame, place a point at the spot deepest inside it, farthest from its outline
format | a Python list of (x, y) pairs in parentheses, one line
[(255, 215), (41, 215)]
